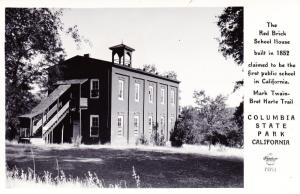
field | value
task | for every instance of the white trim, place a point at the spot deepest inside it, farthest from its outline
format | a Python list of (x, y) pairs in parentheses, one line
[(91, 88), (91, 122), (137, 92), (121, 89)]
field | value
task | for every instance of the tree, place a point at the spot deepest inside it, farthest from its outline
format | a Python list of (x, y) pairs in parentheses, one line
[(32, 44), (150, 68), (231, 43), (231, 24), (216, 118), (170, 75)]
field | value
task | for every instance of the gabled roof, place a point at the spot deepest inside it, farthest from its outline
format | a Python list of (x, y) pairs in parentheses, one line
[(71, 81), (46, 102)]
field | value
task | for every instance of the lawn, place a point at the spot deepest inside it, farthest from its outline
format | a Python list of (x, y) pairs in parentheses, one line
[(156, 168)]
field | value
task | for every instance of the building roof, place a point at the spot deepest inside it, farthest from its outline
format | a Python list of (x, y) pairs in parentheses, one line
[(71, 81), (144, 72), (46, 102), (121, 46), (92, 61)]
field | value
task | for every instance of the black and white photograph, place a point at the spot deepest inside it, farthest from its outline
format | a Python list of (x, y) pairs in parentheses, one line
[(147, 97)]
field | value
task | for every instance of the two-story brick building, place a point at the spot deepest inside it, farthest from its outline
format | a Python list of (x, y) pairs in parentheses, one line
[(103, 101)]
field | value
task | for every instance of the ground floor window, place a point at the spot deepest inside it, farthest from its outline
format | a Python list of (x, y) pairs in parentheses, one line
[(172, 123), (162, 125), (136, 125), (120, 125), (94, 125), (150, 123)]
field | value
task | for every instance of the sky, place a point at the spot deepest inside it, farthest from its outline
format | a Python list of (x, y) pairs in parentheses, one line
[(178, 39)]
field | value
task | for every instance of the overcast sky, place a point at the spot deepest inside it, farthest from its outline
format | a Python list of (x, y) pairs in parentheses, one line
[(178, 39)]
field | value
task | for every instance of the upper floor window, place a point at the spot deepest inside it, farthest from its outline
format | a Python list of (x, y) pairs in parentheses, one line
[(162, 95), (120, 125), (136, 125), (94, 125), (137, 92), (150, 94), (121, 90), (94, 93), (172, 97)]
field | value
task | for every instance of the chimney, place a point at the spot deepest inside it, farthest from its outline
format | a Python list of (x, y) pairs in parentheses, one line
[(86, 55)]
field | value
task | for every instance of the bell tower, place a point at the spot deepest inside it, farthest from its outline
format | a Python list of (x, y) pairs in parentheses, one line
[(122, 54)]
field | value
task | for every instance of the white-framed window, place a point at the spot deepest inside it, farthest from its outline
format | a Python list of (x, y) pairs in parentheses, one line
[(137, 92), (162, 124), (136, 125), (121, 90), (162, 95), (172, 97), (150, 123), (94, 89), (120, 124), (150, 94), (94, 125)]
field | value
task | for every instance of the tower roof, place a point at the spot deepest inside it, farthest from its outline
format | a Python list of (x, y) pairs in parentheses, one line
[(121, 46)]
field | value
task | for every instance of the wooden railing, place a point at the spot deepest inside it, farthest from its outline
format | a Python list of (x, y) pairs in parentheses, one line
[(44, 119), (56, 119)]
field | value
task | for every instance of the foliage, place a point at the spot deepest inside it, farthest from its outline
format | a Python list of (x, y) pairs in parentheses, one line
[(32, 44), (177, 135), (211, 122), (150, 69), (157, 138), (142, 140), (238, 118), (170, 75), (231, 24)]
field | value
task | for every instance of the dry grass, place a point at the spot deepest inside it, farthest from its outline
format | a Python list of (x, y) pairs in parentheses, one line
[(19, 178)]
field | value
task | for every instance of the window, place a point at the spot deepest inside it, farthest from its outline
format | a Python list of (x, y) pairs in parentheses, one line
[(94, 125), (94, 93), (120, 126), (172, 97), (172, 122), (136, 125), (137, 92), (150, 94), (121, 90), (162, 124), (150, 123), (23, 132), (162, 95)]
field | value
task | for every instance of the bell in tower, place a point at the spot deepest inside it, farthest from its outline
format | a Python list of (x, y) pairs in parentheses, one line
[(122, 54)]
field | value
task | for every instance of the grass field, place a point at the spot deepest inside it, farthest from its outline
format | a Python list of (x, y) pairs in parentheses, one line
[(157, 168)]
